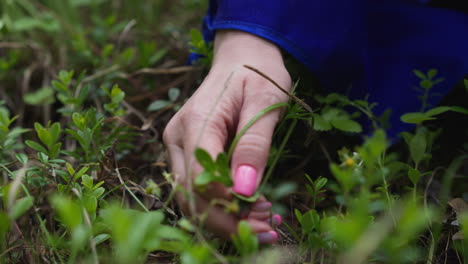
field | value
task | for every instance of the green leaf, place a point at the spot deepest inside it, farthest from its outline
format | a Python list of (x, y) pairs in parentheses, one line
[(205, 160), (320, 183), (418, 146), (80, 173), (101, 238), (68, 212), (55, 130), (22, 158), (21, 206), (310, 221), (298, 215), (320, 124), (465, 81), (414, 175), (415, 118), (36, 146), (79, 120), (43, 134), (173, 94), (79, 237), (98, 191), (87, 181), (459, 109), (347, 125), (420, 74), (158, 105), (43, 96), (283, 190), (245, 240), (204, 178), (248, 199), (70, 169), (426, 84), (432, 73)]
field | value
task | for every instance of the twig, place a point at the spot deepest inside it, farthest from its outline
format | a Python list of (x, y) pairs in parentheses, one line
[(130, 191), (125, 31), (160, 71), (295, 98)]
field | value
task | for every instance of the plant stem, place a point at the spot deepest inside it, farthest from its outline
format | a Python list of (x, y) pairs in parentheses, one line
[(250, 123), (278, 154)]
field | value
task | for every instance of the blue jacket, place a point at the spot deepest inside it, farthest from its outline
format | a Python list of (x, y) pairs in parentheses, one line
[(359, 47)]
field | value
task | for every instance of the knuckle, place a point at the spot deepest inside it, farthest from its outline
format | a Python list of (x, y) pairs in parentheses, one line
[(254, 143)]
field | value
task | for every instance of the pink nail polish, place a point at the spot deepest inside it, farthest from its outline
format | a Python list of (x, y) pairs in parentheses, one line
[(269, 237), (245, 180), (277, 220)]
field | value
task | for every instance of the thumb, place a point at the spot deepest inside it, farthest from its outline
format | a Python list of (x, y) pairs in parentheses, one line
[(251, 154)]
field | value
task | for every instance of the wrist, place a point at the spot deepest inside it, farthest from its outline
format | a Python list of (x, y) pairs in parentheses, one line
[(234, 46)]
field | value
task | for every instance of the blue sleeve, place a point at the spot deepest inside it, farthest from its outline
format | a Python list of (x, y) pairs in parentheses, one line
[(362, 47)]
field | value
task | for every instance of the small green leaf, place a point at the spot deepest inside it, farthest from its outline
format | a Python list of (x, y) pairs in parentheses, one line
[(283, 190), (320, 124), (414, 175), (248, 199), (204, 178), (415, 118), (36, 146), (87, 181), (21, 206), (320, 183), (205, 160), (310, 220), (80, 173), (173, 94), (158, 105), (420, 74), (347, 125), (418, 146), (298, 215), (98, 191), (55, 130), (43, 96), (432, 73), (67, 210), (426, 84), (22, 158), (79, 120), (101, 238), (245, 240), (70, 169)]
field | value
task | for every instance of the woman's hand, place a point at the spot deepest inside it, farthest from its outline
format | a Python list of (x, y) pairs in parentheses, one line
[(216, 112)]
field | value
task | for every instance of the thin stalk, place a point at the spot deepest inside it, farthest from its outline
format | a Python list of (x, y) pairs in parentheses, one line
[(278, 154), (250, 123)]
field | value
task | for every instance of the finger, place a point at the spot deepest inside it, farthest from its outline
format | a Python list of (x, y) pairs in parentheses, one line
[(209, 127), (251, 154), (217, 220), (173, 143), (261, 205), (261, 216)]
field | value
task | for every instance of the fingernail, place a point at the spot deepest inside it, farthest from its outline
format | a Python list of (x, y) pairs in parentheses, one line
[(276, 220), (262, 206), (245, 180), (269, 237)]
